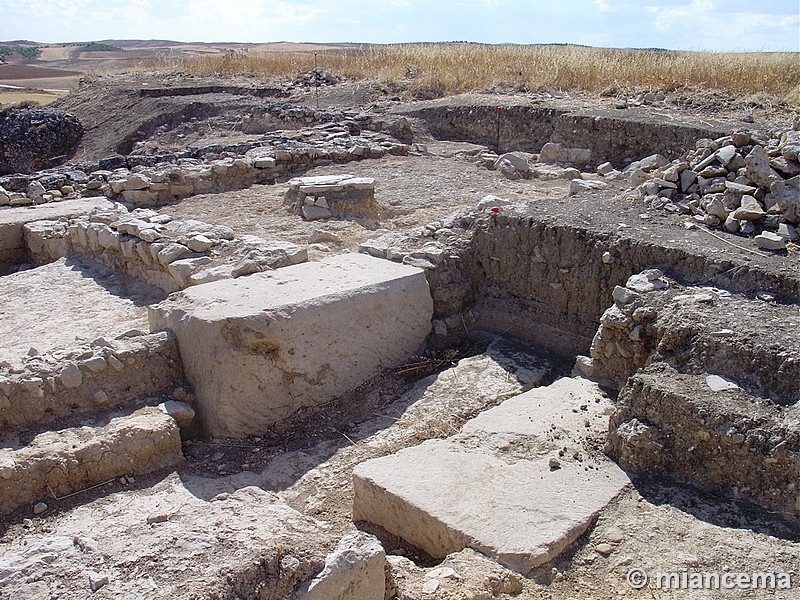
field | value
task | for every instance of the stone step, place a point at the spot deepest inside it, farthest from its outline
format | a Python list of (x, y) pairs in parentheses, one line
[(186, 537), (259, 348), (56, 464), (519, 482), (706, 430)]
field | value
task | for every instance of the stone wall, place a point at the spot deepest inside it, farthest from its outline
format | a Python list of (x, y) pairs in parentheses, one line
[(150, 179), (160, 251), (103, 374)]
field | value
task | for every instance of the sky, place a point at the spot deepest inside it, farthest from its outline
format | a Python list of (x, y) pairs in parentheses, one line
[(718, 25)]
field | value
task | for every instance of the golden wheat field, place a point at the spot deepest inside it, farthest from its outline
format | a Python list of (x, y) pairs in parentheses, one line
[(456, 68)]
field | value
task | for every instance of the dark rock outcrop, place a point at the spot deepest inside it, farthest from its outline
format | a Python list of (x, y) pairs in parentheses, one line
[(36, 138)]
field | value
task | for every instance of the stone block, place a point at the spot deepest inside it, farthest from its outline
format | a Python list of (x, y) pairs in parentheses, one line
[(258, 348), (501, 486)]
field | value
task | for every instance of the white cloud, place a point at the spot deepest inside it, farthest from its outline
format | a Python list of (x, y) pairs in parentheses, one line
[(604, 6), (666, 17)]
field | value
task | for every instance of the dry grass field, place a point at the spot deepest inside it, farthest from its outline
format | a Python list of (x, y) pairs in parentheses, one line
[(455, 68), (40, 97)]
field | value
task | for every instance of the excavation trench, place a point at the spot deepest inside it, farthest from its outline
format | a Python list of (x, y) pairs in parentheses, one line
[(547, 273), (518, 125)]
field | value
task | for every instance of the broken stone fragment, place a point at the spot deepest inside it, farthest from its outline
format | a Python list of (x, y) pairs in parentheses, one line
[(71, 376), (758, 168), (750, 210)]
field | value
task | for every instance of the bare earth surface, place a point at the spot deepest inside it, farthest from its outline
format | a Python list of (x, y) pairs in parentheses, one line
[(411, 192)]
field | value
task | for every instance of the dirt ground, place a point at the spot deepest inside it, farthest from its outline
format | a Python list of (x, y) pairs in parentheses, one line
[(411, 192)]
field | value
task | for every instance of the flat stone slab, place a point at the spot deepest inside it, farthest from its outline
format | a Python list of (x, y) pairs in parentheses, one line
[(256, 349), (519, 483), (331, 183)]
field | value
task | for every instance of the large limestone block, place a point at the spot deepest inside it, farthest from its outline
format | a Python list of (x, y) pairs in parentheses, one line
[(256, 349), (514, 484)]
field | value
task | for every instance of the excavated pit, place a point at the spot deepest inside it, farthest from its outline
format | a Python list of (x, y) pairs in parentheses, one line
[(544, 268)]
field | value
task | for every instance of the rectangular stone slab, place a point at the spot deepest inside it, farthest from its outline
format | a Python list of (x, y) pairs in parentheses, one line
[(256, 349), (491, 487)]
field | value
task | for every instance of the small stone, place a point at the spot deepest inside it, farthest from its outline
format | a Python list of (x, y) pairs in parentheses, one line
[(39, 508), (750, 210), (615, 535), (71, 376), (747, 227), (770, 241), (765, 296), (180, 411), (101, 398), (115, 363), (96, 364), (442, 573), (312, 213), (431, 586), (604, 549), (726, 154), (641, 283), (27, 523), (788, 232), (607, 258), (200, 243), (579, 185), (554, 464), (720, 384), (96, 580), (157, 518), (623, 295)]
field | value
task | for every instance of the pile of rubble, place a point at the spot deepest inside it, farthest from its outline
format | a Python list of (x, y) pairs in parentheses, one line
[(36, 138), (745, 183), (317, 76)]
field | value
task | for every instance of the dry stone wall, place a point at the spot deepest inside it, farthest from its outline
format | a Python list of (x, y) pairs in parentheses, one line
[(160, 251), (609, 136), (102, 375), (147, 180)]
